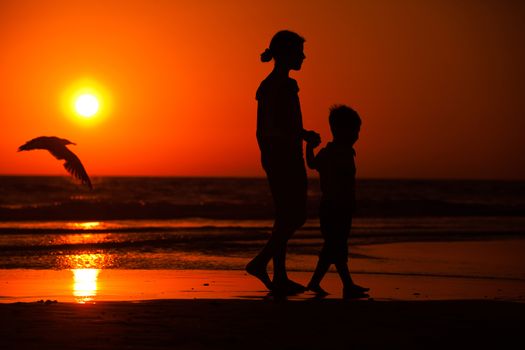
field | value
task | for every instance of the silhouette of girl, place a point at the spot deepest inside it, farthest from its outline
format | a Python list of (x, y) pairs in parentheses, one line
[(280, 136)]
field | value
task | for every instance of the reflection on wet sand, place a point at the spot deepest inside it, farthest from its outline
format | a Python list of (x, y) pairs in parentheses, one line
[(91, 286), (85, 268), (85, 284)]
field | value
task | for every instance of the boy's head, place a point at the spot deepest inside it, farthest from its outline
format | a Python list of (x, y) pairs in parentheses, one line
[(345, 123)]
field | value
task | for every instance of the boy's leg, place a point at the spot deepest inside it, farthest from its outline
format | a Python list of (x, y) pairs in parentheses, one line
[(323, 265)]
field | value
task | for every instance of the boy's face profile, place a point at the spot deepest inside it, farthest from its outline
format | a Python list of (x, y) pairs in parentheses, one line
[(347, 135), (355, 135)]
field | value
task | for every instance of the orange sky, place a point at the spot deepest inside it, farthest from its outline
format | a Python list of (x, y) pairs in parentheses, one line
[(440, 84)]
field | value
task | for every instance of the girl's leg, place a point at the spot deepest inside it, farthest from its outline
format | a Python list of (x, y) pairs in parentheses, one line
[(344, 274), (350, 289), (288, 184), (320, 271), (274, 249)]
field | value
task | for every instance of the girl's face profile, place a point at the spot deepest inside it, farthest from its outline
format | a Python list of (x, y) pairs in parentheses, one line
[(297, 57), (294, 57)]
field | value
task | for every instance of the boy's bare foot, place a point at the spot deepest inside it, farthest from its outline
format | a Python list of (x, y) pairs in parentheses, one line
[(320, 292), (354, 293), (260, 273)]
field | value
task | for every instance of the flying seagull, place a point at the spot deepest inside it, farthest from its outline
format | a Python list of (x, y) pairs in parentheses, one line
[(57, 147)]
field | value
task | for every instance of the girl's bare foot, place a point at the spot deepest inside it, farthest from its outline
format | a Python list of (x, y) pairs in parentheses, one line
[(287, 287), (320, 292), (260, 273)]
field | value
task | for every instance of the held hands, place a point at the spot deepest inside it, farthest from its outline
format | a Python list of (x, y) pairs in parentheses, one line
[(312, 138)]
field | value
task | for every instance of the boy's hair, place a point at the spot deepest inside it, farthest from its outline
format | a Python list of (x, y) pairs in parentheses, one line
[(343, 117)]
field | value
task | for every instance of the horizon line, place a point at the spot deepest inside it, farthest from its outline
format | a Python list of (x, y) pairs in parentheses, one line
[(264, 177)]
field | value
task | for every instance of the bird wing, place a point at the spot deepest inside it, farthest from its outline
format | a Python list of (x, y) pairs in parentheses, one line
[(48, 143), (75, 168), (41, 142)]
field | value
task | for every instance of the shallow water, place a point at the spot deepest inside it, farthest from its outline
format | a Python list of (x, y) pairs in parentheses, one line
[(216, 244), (52, 231)]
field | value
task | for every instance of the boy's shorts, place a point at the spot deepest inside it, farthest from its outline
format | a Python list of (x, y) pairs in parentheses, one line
[(336, 222)]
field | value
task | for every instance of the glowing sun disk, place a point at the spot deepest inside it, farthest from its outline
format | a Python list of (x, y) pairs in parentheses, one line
[(86, 105)]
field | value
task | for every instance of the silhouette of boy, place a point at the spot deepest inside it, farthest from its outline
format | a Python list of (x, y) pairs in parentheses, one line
[(336, 167)]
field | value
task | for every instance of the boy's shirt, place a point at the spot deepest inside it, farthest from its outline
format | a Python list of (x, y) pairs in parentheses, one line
[(337, 171)]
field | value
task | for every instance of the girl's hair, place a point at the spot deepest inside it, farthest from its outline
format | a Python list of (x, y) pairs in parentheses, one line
[(281, 44)]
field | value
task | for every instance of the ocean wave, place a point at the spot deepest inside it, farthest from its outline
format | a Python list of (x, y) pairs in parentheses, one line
[(214, 235), (96, 210), (120, 198)]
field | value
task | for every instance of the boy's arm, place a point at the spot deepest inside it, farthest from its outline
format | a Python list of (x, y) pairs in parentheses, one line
[(310, 157), (310, 136), (313, 140)]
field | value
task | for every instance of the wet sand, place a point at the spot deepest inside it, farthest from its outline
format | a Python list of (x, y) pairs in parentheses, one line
[(91, 285), (268, 324)]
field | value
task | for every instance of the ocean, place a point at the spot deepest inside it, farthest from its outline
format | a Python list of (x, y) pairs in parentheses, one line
[(220, 223)]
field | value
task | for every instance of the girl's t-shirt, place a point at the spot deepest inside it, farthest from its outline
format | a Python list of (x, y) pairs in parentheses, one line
[(279, 118)]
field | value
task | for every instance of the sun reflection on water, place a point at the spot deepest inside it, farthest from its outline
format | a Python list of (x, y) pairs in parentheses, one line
[(85, 261), (85, 225)]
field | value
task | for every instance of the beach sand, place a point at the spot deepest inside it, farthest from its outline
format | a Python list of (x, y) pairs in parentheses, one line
[(249, 324)]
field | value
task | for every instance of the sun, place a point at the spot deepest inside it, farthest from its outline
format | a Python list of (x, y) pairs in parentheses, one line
[(86, 102), (87, 105)]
